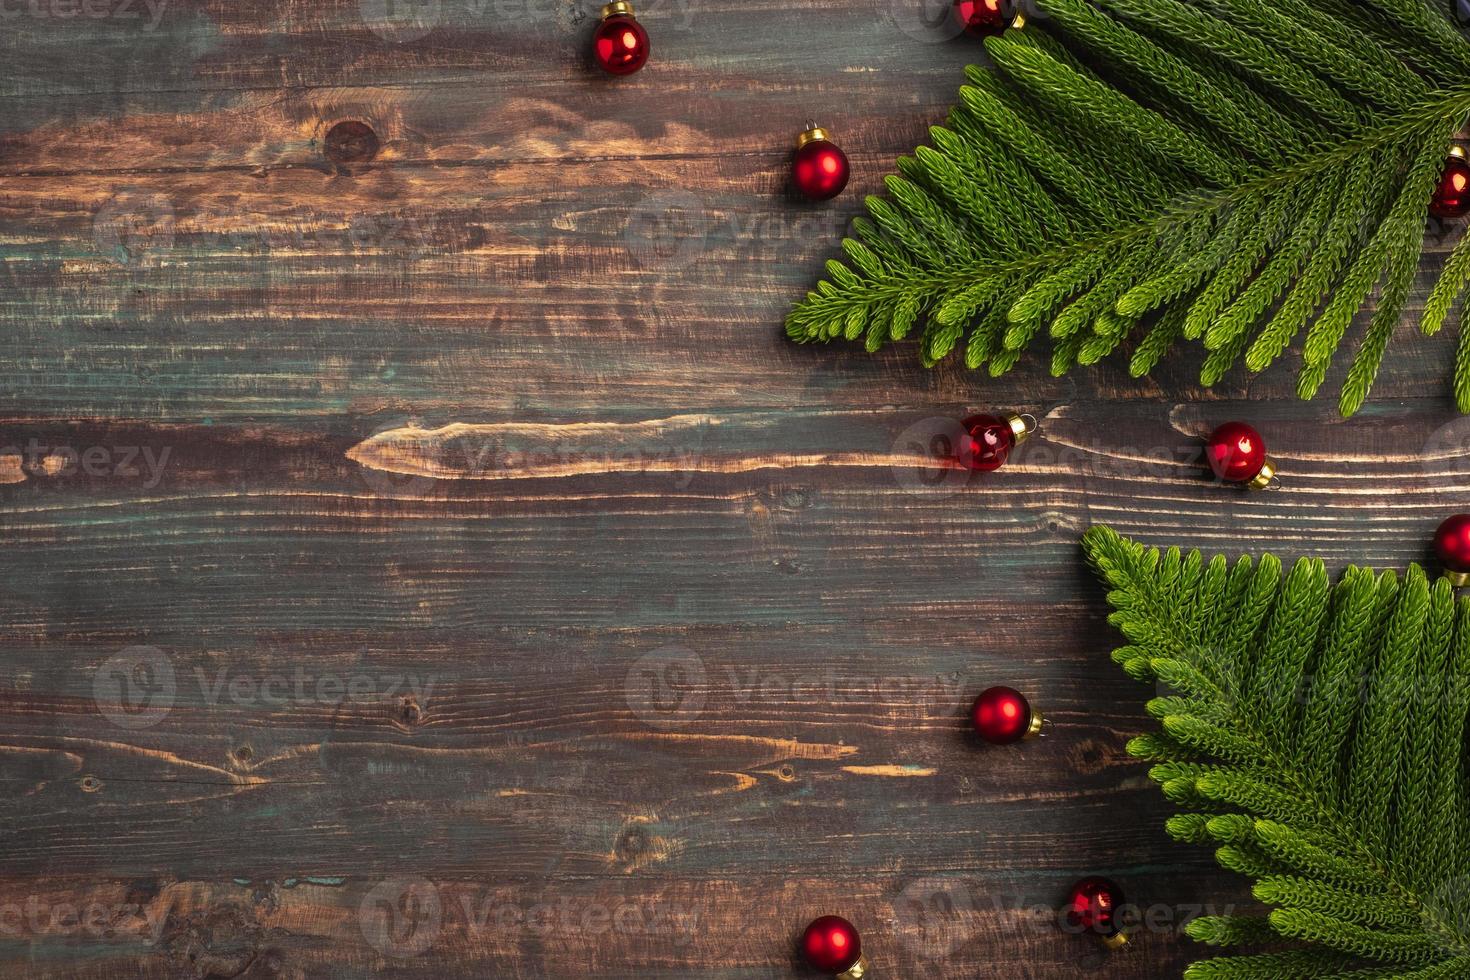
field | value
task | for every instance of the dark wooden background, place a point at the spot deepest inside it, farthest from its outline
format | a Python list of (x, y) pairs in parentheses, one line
[(666, 646)]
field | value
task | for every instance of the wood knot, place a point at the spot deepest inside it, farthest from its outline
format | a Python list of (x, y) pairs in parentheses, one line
[(219, 941), (409, 712), (795, 499), (1090, 756), (632, 844), (143, 890), (90, 784), (351, 142)]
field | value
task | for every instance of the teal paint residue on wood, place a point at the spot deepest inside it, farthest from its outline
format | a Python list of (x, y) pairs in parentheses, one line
[(324, 881), (332, 882), (67, 950)]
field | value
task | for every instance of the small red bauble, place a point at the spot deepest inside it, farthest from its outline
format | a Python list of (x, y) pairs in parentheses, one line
[(1002, 715), (1237, 454), (1092, 905), (1452, 545), (986, 18), (989, 439), (1452, 196), (620, 44), (819, 170), (831, 944)]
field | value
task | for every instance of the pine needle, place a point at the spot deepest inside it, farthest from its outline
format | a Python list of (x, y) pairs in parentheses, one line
[(1247, 161), (1320, 740)]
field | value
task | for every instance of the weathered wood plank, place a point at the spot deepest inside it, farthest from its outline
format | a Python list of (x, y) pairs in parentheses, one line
[(652, 617)]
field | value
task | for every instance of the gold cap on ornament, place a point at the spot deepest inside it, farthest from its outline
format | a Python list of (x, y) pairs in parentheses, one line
[(1116, 941), (858, 971), (1263, 479), (1033, 727), (811, 134), (617, 7), (1021, 426)]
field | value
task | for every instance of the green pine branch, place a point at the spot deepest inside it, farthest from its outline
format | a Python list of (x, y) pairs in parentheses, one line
[(1227, 171), (1316, 735)]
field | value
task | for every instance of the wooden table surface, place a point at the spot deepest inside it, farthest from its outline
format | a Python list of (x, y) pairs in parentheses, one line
[(442, 566)]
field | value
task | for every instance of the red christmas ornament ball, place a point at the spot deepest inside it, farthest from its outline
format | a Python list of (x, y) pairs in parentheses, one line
[(984, 18), (1452, 546), (831, 944), (820, 169), (1452, 196), (989, 442), (1002, 715), (1092, 904), (1237, 453), (620, 43)]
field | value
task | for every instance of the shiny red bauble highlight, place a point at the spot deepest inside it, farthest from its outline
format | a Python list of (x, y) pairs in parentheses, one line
[(984, 18), (1092, 905), (1002, 715), (989, 445), (831, 944), (1452, 195), (820, 169), (620, 43), (1452, 546), (1237, 454)]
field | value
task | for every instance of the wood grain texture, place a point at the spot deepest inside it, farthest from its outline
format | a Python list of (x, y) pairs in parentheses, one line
[(440, 566)]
